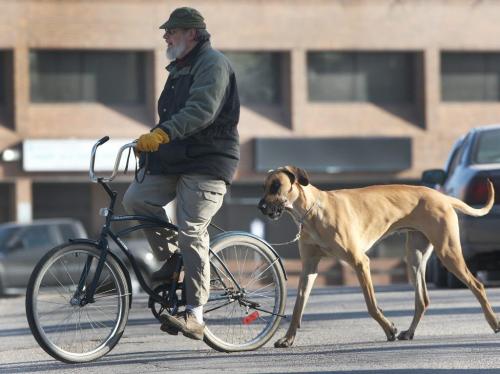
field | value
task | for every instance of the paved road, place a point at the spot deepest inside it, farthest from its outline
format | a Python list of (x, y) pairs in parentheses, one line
[(337, 336)]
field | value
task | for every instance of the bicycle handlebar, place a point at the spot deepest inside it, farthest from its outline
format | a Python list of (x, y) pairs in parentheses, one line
[(101, 141)]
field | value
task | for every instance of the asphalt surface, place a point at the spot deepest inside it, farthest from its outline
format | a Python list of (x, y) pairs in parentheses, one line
[(337, 335)]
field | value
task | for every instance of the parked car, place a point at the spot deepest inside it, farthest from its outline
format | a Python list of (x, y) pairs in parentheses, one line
[(22, 245), (473, 160)]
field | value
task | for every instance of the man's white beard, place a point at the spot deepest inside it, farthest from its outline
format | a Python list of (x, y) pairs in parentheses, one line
[(175, 52)]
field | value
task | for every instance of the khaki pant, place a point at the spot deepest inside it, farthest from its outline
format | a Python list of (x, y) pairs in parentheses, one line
[(199, 197)]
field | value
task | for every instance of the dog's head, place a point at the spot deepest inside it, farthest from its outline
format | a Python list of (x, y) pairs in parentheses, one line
[(281, 189)]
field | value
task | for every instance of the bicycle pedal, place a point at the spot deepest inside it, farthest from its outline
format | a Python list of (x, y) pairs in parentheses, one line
[(169, 330)]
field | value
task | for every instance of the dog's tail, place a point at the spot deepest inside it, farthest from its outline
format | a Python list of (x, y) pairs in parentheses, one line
[(464, 208)]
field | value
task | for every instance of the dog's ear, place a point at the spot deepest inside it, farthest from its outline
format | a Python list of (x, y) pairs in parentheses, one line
[(299, 175), (288, 171), (302, 177)]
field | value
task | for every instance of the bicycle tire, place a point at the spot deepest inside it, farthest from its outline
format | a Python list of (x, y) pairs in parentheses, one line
[(44, 334), (255, 332)]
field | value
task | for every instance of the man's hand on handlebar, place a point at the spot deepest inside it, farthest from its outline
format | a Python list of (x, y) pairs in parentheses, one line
[(151, 141)]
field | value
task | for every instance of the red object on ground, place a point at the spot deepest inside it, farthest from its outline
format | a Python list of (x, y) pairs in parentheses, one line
[(250, 318)]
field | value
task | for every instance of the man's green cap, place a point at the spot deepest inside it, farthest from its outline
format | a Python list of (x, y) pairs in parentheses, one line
[(185, 18)]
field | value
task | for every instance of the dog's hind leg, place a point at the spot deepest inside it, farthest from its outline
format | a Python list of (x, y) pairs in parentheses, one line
[(449, 251), (418, 251), (361, 264), (310, 259)]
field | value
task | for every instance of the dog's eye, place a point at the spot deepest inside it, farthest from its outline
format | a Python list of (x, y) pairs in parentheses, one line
[(275, 187)]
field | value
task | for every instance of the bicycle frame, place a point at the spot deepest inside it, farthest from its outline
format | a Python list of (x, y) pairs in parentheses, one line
[(145, 223)]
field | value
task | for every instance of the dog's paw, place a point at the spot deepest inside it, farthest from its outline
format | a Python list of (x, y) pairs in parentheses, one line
[(283, 343), (405, 335), (391, 335)]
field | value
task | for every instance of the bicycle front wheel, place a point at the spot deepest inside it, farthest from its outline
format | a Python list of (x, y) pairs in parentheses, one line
[(247, 294), (65, 327)]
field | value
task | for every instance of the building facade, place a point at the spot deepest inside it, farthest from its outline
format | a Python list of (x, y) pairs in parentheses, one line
[(357, 92)]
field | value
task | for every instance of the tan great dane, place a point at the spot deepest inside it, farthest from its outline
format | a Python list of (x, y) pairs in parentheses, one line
[(346, 223)]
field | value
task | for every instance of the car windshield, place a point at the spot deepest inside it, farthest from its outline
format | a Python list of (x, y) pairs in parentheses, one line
[(487, 147), (5, 234)]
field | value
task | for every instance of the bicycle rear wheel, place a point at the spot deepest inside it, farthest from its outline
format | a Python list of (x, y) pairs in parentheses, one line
[(243, 318), (63, 327)]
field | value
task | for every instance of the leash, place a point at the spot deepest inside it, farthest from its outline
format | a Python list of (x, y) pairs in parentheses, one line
[(136, 171), (299, 223)]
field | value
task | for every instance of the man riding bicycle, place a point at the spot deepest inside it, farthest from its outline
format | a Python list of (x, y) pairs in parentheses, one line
[(193, 153)]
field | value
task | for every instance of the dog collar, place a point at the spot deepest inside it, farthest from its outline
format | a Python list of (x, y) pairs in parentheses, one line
[(300, 224), (301, 221)]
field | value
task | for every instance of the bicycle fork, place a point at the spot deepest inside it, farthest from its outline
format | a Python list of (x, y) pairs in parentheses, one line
[(88, 295)]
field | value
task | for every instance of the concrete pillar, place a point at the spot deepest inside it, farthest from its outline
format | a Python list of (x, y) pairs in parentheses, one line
[(298, 89), (23, 200), (432, 88), (21, 89)]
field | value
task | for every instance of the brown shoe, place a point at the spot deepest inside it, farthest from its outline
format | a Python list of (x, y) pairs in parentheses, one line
[(183, 322)]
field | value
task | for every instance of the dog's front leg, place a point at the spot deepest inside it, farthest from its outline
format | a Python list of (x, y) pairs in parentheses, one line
[(306, 281)]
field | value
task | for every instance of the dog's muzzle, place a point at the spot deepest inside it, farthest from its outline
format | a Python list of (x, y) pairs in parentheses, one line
[(273, 211)]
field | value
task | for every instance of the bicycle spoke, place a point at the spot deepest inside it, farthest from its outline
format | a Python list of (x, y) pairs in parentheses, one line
[(67, 272), (102, 283), (113, 296), (259, 289), (263, 271), (51, 302)]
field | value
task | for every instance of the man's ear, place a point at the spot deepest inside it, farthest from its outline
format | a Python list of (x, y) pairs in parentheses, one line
[(300, 175), (191, 34)]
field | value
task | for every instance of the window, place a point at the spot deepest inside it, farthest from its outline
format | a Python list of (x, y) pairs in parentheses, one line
[(258, 75), (487, 150), (457, 155), (88, 76), (5, 235), (378, 77), (37, 236), (470, 76)]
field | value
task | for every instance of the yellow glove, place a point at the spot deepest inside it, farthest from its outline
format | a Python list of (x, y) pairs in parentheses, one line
[(150, 142)]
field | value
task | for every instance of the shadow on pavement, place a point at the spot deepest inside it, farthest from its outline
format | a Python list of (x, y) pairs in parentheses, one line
[(295, 354)]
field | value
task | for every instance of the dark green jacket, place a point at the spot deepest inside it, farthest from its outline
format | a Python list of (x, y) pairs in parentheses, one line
[(199, 109)]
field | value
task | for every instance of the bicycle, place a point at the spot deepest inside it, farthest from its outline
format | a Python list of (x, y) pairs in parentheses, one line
[(79, 294)]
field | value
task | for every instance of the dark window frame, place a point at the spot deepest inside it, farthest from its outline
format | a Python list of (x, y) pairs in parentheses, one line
[(85, 68), (471, 66), (353, 69), (259, 98)]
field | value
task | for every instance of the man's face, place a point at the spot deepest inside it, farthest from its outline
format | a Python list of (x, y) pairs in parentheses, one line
[(177, 40)]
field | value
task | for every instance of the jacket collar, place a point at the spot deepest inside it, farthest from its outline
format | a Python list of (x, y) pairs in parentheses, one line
[(189, 58)]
